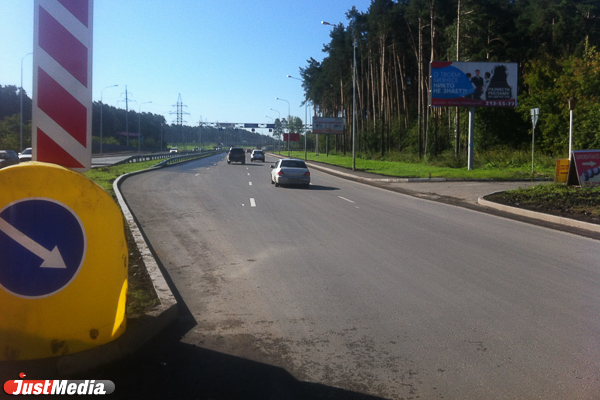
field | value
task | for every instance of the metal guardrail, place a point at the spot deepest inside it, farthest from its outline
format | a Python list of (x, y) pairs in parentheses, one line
[(186, 157), (170, 158)]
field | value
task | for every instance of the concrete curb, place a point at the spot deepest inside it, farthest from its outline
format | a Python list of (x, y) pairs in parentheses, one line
[(481, 201), (538, 215), (139, 330)]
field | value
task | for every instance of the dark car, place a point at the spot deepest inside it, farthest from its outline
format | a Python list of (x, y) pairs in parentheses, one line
[(8, 157), (236, 154)]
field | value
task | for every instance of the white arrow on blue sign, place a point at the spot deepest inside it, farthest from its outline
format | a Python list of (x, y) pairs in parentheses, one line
[(43, 246)]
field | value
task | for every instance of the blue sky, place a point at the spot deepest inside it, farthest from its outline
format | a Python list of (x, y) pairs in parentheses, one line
[(227, 58)]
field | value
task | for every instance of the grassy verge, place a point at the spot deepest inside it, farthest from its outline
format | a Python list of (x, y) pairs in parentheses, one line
[(141, 296), (557, 199), (424, 170)]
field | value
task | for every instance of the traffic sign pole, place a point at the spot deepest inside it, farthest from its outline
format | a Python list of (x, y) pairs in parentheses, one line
[(534, 118)]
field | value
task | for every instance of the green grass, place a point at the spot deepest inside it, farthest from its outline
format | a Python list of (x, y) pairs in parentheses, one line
[(425, 170), (141, 296), (105, 176), (558, 196)]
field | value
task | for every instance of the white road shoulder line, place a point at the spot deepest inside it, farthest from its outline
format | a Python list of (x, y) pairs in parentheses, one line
[(348, 200), (252, 202)]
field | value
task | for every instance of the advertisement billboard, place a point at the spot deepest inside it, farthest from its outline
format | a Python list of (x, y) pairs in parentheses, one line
[(585, 168), (473, 84), (328, 125)]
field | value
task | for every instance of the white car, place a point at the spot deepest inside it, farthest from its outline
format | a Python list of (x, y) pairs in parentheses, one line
[(25, 155), (290, 172), (173, 150), (257, 155)]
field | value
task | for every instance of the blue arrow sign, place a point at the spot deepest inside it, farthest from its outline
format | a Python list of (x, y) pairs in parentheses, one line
[(43, 245)]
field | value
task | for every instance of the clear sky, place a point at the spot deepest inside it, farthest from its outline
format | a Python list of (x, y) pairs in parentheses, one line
[(227, 58)]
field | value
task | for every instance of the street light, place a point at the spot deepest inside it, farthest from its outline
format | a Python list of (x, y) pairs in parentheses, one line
[(21, 94), (139, 124), (572, 105), (101, 108), (353, 96), (288, 124)]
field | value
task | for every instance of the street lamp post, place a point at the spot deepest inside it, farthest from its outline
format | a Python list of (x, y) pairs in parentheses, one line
[(278, 141), (21, 95), (288, 124), (572, 104), (139, 125), (101, 108)]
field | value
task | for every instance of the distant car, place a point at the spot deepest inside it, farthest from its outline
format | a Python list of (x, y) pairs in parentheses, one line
[(8, 157), (25, 155), (236, 154), (248, 150), (257, 155), (173, 150), (290, 172)]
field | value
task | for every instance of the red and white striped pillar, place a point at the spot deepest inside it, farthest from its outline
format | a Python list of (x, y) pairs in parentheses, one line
[(62, 83)]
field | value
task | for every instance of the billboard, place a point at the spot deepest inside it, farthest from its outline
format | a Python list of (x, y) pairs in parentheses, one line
[(334, 126), (473, 84), (585, 168)]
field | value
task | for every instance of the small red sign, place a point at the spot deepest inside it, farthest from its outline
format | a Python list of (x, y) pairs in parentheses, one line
[(291, 137)]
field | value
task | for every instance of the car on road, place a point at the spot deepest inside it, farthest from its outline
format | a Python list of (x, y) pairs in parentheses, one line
[(236, 154), (25, 155), (290, 172), (248, 150), (173, 150), (257, 155), (8, 157)]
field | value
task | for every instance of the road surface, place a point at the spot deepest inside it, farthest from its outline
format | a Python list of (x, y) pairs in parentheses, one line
[(345, 290)]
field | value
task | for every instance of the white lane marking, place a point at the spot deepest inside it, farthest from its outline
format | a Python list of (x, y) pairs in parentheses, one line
[(348, 200), (197, 174), (252, 202), (249, 183), (248, 173)]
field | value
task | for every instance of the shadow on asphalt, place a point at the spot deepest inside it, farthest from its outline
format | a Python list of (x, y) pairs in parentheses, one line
[(312, 187), (166, 368)]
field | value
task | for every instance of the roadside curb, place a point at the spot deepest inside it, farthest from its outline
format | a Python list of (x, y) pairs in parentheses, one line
[(139, 329), (481, 200), (538, 215)]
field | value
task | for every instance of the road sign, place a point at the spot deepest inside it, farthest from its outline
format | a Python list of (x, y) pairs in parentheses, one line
[(43, 245), (291, 137), (326, 125), (63, 263), (62, 83), (535, 112)]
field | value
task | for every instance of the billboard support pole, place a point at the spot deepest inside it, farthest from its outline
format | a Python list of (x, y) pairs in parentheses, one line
[(471, 136)]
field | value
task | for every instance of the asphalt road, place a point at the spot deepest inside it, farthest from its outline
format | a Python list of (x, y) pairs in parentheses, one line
[(345, 291)]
